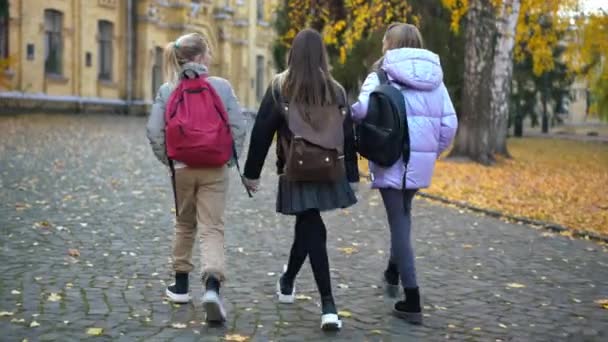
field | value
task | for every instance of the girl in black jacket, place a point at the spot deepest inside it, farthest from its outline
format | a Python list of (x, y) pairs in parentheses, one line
[(307, 81)]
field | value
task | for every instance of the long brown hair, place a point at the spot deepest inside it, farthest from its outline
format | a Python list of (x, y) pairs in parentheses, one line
[(183, 50), (400, 35), (307, 78)]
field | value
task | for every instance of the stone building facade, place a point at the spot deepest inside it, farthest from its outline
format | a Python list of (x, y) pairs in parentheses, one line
[(98, 55)]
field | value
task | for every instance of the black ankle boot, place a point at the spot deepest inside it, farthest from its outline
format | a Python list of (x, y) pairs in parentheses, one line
[(212, 284), (409, 309), (328, 306), (181, 283), (391, 275)]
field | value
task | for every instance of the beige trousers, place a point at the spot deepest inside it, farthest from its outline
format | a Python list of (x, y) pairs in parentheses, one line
[(201, 200)]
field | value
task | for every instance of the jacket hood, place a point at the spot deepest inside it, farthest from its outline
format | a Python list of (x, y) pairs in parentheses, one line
[(415, 68), (199, 69)]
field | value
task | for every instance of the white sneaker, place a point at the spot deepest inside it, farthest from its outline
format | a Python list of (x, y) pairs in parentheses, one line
[(212, 304), (286, 298), (178, 298), (330, 322)]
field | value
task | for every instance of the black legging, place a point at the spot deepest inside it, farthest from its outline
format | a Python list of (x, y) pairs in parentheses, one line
[(310, 239)]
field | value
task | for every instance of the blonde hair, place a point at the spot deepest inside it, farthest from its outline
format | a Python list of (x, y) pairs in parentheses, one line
[(397, 36), (400, 35), (183, 50)]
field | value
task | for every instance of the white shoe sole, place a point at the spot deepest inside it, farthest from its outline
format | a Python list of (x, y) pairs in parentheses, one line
[(178, 298), (285, 299), (213, 307), (330, 322)]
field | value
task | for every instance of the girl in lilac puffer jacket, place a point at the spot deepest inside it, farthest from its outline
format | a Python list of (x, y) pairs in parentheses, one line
[(432, 125)]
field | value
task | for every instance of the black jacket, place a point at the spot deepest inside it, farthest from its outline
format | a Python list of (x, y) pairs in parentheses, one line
[(270, 120)]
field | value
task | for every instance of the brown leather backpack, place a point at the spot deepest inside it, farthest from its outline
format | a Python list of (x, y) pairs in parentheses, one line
[(316, 150)]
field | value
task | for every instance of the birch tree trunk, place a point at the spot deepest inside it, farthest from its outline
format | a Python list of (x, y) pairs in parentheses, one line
[(502, 74), (473, 137)]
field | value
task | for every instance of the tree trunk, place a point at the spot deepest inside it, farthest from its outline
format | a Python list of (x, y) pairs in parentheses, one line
[(502, 73), (518, 125), (473, 137), (545, 119), (544, 98)]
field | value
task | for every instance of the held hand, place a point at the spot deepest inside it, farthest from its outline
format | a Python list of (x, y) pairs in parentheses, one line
[(251, 184)]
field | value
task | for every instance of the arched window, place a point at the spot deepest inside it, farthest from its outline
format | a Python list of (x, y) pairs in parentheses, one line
[(53, 41), (4, 32), (106, 33), (260, 10), (157, 71), (259, 77)]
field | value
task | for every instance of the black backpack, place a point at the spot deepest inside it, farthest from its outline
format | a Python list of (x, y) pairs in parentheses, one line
[(383, 136)]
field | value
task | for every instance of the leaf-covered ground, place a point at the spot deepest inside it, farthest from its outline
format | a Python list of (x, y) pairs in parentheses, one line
[(560, 181)]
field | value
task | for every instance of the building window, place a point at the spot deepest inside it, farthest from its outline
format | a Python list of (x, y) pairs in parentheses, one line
[(259, 77), (106, 32), (53, 42), (260, 10), (157, 73), (30, 52), (4, 32), (88, 59)]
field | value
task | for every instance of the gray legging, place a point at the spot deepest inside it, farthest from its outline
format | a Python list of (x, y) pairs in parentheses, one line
[(400, 222)]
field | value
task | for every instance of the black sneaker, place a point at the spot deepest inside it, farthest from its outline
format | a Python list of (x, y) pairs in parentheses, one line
[(286, 290), (409, 309), (330, 321), (212, 302), (178, 291)]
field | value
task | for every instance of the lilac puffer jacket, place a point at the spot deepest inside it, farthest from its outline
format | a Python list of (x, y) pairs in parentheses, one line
[(430, 115)]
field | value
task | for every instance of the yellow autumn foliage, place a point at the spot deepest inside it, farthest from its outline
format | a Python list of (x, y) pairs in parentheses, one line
[(560, 181), (537, 30), (342, 33), (587, 55)]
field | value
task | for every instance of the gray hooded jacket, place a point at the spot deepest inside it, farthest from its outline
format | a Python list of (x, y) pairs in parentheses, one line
[(155, 129)]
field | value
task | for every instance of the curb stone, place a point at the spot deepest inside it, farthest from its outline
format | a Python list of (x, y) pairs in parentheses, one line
[(498, 214)]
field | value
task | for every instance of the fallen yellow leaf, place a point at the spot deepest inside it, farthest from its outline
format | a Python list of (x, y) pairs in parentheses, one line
[(603, 303), (34, 324), (376, 332), (348, 250), (94, 331), (345, 314), (6, 313), (178, 325), (303, 297), (54, 297), (516, 285), (236, 338), (43, 224)]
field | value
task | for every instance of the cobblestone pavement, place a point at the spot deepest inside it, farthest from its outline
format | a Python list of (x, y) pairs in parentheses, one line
[(90, 183)]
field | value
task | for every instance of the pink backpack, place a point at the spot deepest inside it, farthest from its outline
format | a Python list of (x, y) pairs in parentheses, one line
[(197, 132)]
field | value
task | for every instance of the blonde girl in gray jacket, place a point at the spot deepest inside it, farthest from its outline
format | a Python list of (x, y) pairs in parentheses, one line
[(200, 193)]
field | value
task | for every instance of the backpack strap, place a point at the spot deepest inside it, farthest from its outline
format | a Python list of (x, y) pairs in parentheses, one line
[(382, 76)]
